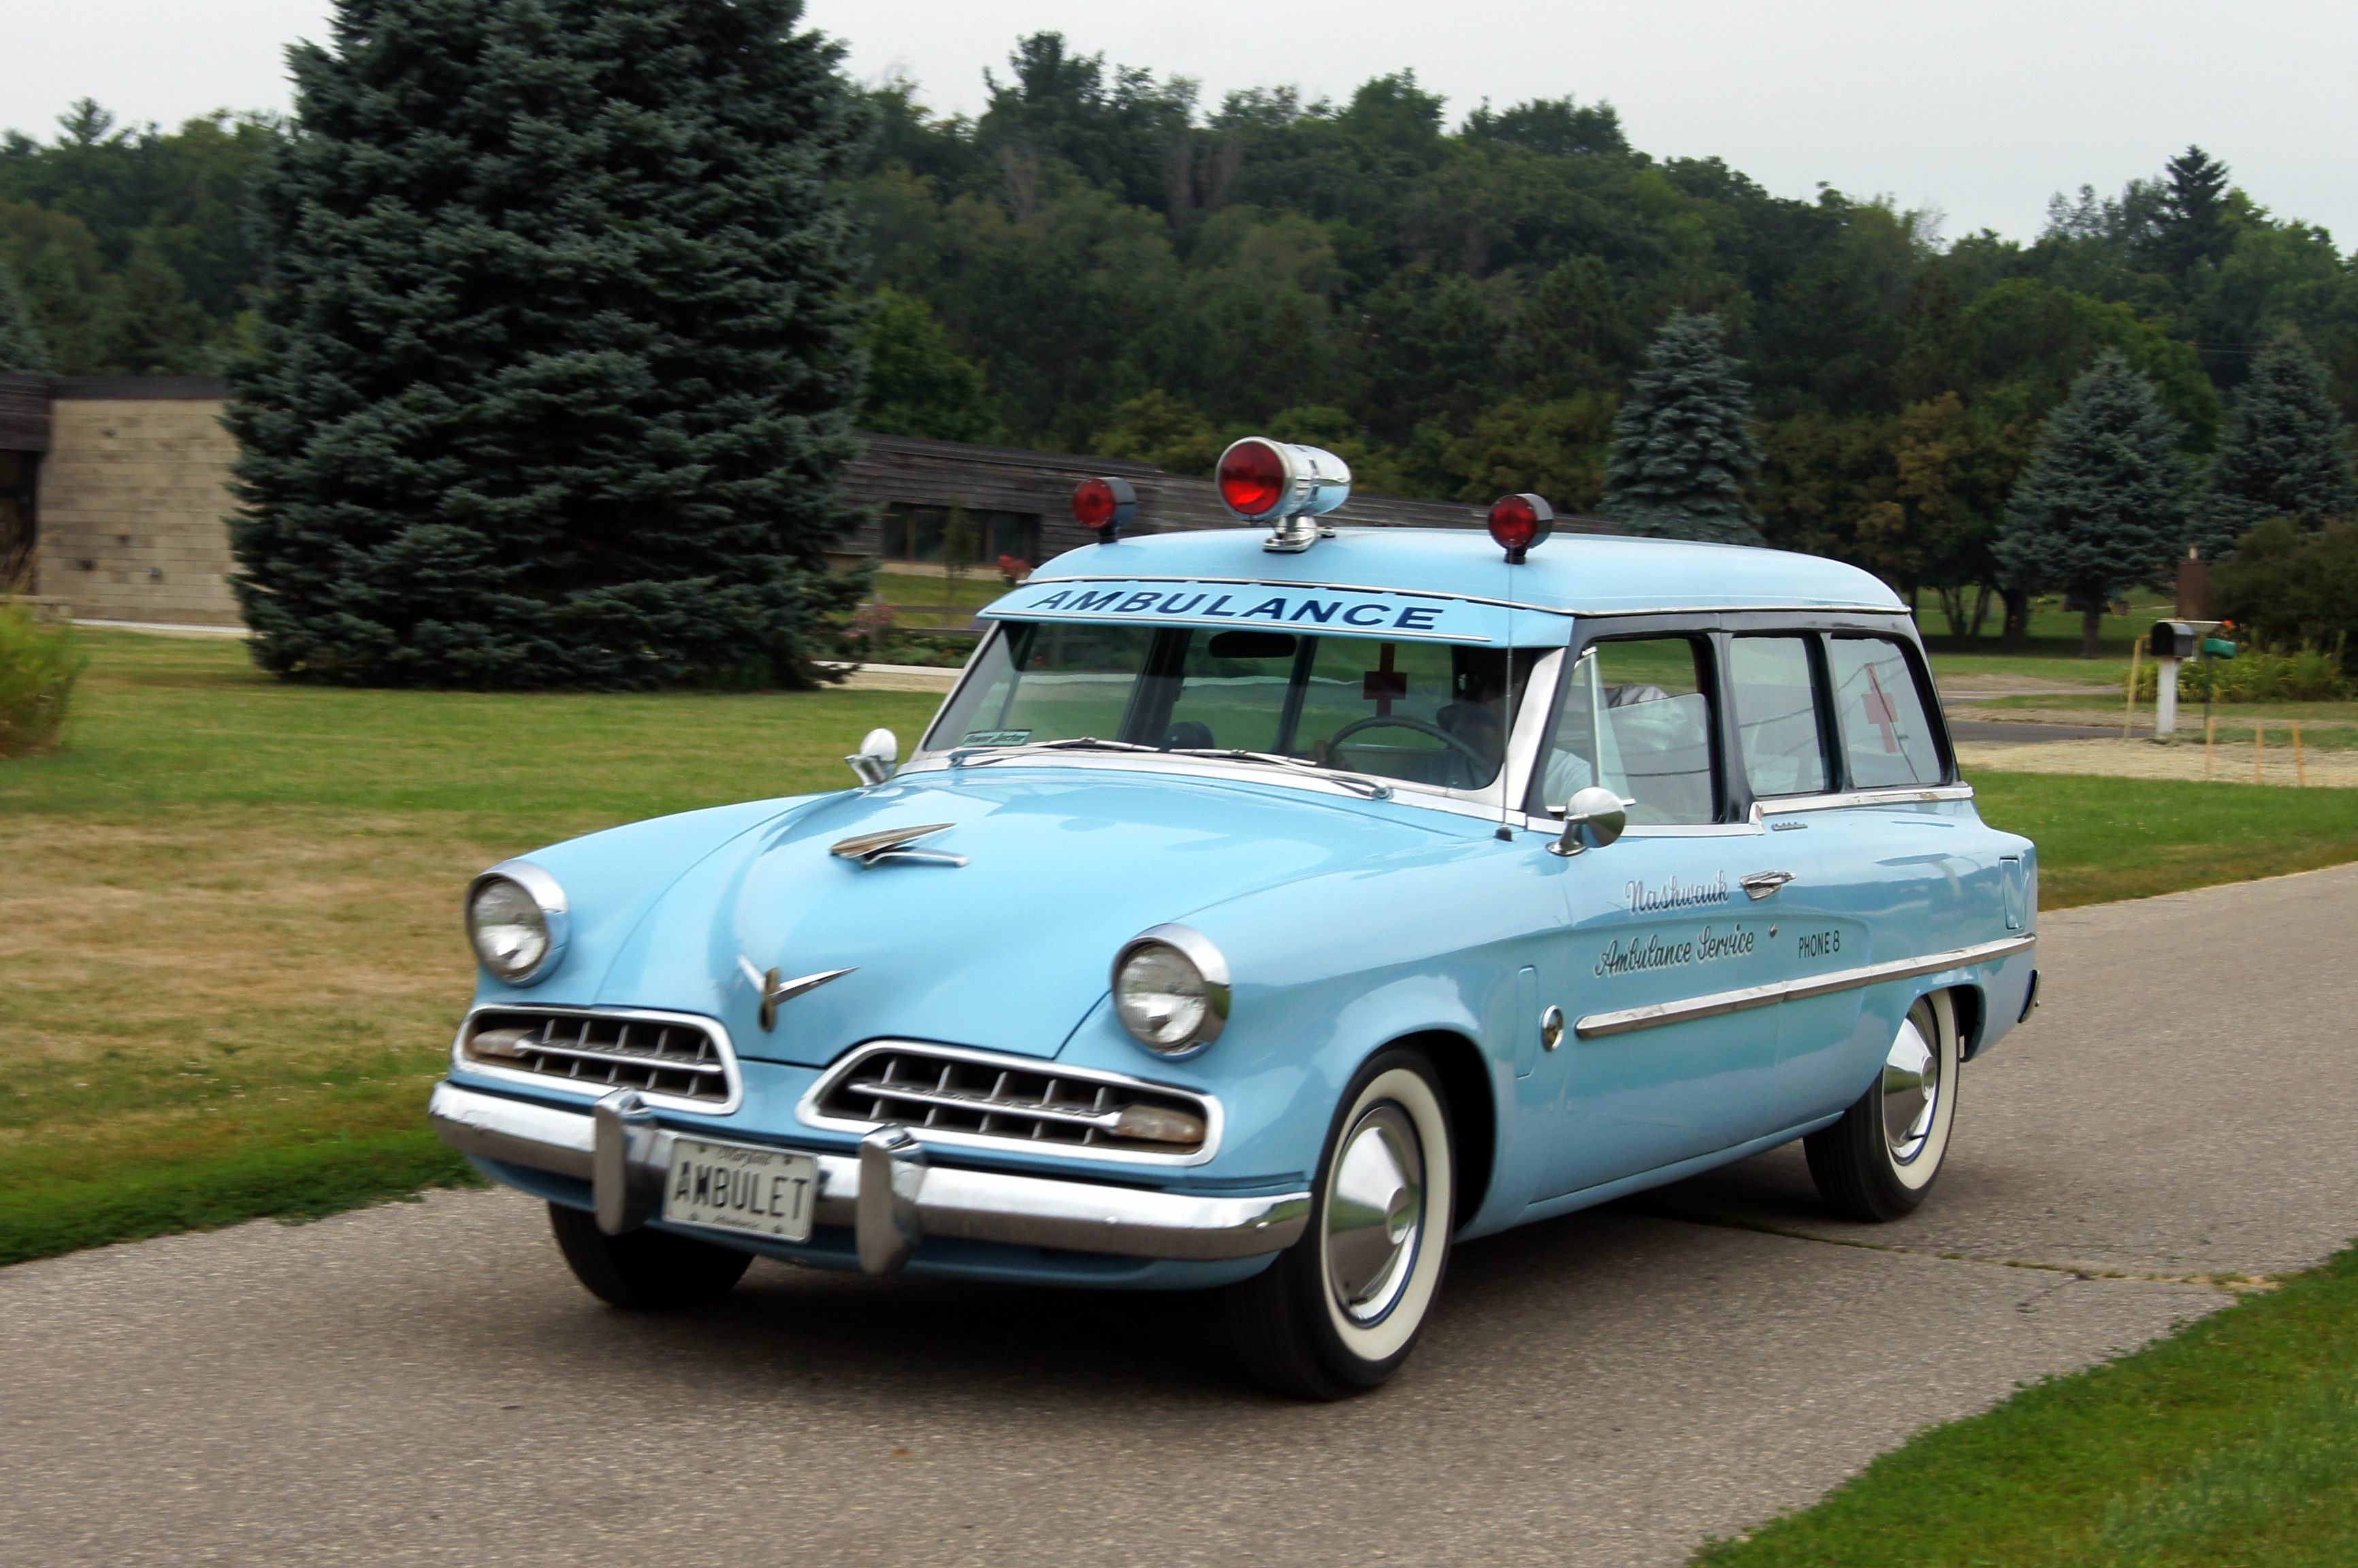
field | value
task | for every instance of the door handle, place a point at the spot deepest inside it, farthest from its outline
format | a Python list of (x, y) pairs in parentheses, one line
[(1760, 885)]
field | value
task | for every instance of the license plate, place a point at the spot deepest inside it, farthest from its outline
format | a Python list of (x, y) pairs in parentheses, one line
[(736, 1186)]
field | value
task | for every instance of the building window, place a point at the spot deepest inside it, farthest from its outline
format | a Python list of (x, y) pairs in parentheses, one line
[(16, 536), (914, 533)]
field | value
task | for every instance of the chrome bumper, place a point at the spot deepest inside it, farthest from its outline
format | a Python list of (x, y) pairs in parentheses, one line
[(889, 1193)]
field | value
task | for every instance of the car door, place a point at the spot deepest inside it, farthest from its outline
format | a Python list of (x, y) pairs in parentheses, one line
[(1654, 922), (1883, 872)]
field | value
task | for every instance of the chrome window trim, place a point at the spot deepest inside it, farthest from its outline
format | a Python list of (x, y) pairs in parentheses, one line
[(1629, 1020), (807, 1112), (1896, 795), (714, 1030)]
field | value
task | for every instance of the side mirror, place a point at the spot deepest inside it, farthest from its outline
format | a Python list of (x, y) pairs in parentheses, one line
[(877, 754), (1594, 816)]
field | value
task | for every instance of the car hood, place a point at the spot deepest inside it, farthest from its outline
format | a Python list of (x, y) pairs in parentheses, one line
[(1007, 952)]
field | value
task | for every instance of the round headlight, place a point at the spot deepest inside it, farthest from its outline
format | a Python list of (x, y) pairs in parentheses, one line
[(516, 919), (1171, 990)]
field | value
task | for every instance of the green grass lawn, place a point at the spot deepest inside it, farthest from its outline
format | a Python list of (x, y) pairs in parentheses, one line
[(2052, 650), (2232, 1443)]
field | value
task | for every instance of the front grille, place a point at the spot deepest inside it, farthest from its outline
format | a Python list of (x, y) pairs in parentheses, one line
[(672, 1057), (990, 1098)]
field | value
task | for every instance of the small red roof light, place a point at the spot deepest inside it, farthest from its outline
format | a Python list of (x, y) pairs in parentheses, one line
[(1520, 522), (1102, 505), (1254, 479)]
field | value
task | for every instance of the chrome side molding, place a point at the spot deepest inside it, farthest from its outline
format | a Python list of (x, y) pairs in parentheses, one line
[(1627, 1021)]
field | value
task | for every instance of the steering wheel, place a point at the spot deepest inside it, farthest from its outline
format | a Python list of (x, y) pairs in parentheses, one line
[(1479, 764)]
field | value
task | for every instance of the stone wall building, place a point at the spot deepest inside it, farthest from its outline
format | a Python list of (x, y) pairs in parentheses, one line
[(114, 499)]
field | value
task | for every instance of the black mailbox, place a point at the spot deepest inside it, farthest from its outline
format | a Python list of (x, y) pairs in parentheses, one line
[(2172, 640)]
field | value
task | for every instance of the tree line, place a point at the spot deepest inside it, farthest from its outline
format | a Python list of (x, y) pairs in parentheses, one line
[(1513, 299)]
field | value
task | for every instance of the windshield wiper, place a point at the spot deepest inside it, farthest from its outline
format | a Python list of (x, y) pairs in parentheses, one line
[(977, 758), (966, 757), (1368, 787)]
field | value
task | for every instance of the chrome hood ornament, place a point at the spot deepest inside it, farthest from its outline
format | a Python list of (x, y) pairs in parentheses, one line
[(773, 988), (875, 848)]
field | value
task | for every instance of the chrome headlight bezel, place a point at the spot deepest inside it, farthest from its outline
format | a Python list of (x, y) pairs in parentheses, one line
[(548, 895), (1211, 966)]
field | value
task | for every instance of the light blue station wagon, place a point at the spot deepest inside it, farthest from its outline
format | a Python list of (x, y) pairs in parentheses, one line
[(1269, 912)]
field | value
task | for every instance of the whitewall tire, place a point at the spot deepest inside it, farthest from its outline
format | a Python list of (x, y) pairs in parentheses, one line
[(1879, 1159), (1339, 1311)]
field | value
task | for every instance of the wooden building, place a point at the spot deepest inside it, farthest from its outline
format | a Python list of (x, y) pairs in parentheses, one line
[(114, 497)]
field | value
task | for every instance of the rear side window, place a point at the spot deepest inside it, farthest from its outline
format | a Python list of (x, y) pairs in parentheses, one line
[(1886, 738), (1776, 715), (1636, 718)]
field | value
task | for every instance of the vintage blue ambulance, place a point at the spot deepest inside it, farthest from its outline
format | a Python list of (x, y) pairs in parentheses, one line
[(1267, 910)]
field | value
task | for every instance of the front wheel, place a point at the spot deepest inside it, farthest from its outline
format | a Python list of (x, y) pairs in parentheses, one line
[(644, 1270), (1878, 1162), (1339, 1311)]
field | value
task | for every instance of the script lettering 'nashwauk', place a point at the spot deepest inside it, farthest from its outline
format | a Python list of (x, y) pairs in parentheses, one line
[(1676, 895)]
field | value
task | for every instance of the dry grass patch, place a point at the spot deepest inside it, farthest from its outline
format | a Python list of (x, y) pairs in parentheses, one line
[(151, 965)]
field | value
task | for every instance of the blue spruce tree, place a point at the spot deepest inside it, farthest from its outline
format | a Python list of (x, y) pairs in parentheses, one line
[(2106, 499), (2287, 452), (555, 351), (20, 343), (1683, 445)]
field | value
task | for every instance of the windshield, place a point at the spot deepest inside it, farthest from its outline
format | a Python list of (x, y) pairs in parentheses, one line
[(1422, 712)]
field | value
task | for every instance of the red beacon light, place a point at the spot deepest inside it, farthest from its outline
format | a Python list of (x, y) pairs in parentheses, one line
[(1284, 484), (1520, 522), (1103, 504)]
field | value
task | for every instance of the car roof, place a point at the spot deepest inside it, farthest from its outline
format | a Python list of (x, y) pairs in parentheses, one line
[(1570, 573)]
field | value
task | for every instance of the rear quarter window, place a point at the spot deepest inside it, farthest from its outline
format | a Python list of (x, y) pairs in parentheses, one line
[(1887, 736)]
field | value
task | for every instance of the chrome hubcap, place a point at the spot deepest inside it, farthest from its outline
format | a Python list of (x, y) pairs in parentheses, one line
[(1912, 1087), (1374, 1213)]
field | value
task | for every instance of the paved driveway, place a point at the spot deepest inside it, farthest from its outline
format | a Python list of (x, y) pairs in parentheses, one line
[(423, 1383)]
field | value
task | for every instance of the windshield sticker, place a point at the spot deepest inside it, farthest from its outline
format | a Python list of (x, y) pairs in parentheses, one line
[(996, 737), (1365, 613)]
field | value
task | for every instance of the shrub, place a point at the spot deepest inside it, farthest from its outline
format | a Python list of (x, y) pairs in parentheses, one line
[(2290, 589), (39, 667), (2257, 674)]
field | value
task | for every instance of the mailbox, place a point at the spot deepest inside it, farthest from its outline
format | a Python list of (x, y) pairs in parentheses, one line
[(2218, 648), (2172, 640)]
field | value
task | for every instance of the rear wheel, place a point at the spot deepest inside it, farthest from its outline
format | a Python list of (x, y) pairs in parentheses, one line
[(1339, 1311), (644, 1270), (1878, 1162)]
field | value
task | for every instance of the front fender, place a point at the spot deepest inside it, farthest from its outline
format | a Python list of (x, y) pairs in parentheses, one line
[(1280, 1075)]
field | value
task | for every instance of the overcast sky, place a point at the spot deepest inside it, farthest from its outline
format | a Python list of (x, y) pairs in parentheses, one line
[(1979, 110)]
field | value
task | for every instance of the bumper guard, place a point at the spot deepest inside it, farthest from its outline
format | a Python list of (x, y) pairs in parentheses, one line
[(889, 1193)]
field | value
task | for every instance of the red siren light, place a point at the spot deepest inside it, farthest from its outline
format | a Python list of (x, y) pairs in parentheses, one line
[(1254, 478), (1103, 504), (1520, 522)]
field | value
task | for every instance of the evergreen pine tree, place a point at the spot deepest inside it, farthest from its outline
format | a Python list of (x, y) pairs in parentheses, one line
[(2191, 227), (20, 343), (2105, 500), (2286, 454), (1683, 444), (556, 350)]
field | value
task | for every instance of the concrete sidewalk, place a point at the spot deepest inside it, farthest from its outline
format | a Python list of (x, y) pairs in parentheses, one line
[(424, 1383)]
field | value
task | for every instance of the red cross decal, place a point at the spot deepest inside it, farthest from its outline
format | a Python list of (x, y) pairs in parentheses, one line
[(1882, 712)]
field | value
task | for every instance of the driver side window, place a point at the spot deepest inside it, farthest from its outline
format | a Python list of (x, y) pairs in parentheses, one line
[(1636, 718)]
